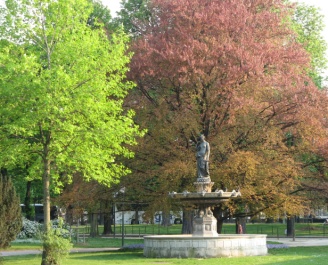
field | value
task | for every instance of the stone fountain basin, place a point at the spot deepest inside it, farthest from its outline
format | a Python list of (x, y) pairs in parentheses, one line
[(204, 197), (190, 246)]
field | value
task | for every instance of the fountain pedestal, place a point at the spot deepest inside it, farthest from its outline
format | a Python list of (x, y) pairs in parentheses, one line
[(205, 226)]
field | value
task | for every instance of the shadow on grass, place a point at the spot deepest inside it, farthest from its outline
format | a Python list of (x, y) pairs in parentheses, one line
[(109, 255)]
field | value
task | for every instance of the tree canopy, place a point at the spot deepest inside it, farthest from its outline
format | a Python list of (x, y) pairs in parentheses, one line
[(234, 71)]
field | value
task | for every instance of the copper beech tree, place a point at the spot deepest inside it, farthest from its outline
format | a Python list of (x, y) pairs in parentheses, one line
[(234, 71)]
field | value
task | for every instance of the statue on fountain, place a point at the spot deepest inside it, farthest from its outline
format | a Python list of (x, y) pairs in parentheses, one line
[(203, 155)]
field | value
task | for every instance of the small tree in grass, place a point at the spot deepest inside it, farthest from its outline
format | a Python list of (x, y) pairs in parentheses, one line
[(10, 211)]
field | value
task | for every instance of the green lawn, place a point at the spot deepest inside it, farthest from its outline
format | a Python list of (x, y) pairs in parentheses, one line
[(290, 256), (274, 229)]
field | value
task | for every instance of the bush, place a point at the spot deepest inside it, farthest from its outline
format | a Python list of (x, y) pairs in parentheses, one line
[(30, 229), (62, 229), (10, 211), (56, 247)]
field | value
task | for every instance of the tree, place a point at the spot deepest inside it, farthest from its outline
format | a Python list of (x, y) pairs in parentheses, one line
[(132, 11), (75, 197), (62, 89), (308, 23), (101, 14), (10, 211), (234, 71)]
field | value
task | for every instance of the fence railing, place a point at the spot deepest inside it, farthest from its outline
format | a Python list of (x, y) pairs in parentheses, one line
[(273, 230)]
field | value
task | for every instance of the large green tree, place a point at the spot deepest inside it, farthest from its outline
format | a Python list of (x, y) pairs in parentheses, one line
[(62, 89)]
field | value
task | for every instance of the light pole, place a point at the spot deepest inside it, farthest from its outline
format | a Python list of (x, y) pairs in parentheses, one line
[(122, 190), (114, 217)]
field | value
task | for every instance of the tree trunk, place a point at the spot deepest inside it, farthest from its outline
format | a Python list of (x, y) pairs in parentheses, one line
[(165, 218), (108, 219), (290, 226), (241, 225), (187, 221), (46, 206), (69, 214), (93, 225), (219, 225), (136, 218), (27, 201), (46, 195), (220, 216)]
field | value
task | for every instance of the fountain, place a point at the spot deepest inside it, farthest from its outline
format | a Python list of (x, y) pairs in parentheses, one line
[(204, 242)]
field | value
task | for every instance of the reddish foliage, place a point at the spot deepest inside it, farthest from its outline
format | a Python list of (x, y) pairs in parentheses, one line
[(233, 70)]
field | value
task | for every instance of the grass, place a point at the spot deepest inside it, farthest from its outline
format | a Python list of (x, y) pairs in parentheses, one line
[(274, 229), (23, 246), (290, 256)]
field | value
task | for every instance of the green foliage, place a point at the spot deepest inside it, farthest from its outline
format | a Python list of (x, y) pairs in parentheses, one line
[(10, 212), (62, 90), (101, 14), (29, 191), (56, 246), (308, 24), (62, 85), (133, 11)]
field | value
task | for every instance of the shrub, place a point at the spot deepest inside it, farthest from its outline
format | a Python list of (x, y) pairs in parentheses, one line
[(55, 245), (10, 211), (30, 229), (61, 228)]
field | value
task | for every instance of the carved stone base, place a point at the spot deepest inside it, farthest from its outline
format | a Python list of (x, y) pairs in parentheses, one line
[(204, 185), (189, 246), (205, 226)]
